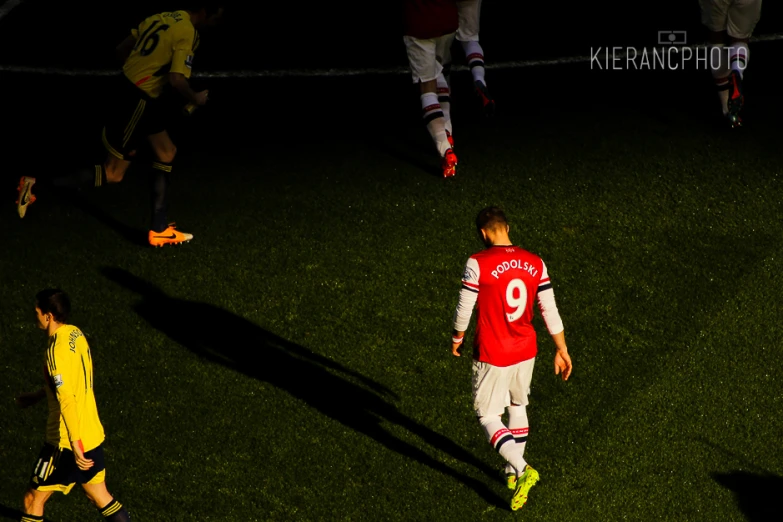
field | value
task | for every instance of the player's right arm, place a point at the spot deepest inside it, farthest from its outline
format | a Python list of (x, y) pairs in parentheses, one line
[(563, 364), (185, 39), (468, 295)]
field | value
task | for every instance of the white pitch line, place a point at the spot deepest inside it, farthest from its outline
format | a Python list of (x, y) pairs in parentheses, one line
[(289, 73), (6, 7)]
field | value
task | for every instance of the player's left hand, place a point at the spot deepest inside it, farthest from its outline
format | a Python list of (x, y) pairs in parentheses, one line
[(563, 364), (78, 453), (455, 347)]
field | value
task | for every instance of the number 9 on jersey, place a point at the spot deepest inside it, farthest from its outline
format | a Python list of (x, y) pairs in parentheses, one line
[(516, 299)]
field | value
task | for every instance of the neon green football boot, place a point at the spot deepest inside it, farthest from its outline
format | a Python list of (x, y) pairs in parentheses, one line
[(524, 483)]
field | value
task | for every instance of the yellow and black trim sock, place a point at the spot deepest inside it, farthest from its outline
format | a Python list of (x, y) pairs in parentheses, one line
[(31, 518), (160, 201), (100, 175), (115, 512), (95, 175)]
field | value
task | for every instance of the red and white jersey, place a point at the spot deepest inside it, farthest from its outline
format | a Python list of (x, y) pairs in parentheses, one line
[(504, 281), (425, 19)]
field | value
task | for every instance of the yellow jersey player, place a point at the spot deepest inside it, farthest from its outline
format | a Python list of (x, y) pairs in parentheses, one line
[(73, 452), (159, 51)]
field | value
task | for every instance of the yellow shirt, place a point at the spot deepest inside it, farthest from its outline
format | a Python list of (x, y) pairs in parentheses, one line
[(165, 43), (73, 414)]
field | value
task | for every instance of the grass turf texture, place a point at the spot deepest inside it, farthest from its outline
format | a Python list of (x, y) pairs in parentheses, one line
[(292, 362)]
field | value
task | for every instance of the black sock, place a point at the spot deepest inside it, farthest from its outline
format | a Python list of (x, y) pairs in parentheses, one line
[(160, 186), (95, 176), (31, 518), (115, 512)]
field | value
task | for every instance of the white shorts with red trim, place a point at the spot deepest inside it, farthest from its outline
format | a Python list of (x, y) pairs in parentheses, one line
[(469, 15), (737, 17), (496, 387), (426, 57)]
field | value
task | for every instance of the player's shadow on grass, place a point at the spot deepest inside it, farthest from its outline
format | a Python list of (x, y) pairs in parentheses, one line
[(758, 495), (411, 151), (336, 391), (135, 236), (80, 201), (7, 513)]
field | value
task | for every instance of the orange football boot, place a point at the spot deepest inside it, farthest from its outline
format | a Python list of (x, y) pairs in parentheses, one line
[(170, 236)]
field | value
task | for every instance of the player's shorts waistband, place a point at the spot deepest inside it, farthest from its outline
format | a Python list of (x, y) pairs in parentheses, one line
[(129, 87)]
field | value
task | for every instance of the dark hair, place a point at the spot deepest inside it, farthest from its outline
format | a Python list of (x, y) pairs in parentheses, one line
[(490, 218), (54, 301), (210, 6)]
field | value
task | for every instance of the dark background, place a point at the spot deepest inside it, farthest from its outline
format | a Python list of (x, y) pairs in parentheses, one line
[(67, 112), (296, 35)]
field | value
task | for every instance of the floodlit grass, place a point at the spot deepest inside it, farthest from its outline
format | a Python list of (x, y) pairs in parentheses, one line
[(292, 362)]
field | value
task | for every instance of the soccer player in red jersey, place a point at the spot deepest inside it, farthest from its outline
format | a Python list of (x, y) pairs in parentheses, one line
[(430, 26), (732, 22), (504, 280)]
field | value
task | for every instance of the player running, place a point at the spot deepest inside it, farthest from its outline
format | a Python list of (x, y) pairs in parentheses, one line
[(468, 37), (430, 26), (731, 21), (158, 52), (505, 280), (73, 452)]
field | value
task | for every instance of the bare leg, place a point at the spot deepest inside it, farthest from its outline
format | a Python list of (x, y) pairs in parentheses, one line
[(115, 168), (98, 494), (34, 501), (109, 507)]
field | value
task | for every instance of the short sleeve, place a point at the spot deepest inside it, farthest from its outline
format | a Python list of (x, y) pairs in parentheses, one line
[(182, 58)]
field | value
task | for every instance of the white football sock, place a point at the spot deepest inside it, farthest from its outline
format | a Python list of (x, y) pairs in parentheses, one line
[(432, 114), (719, 67), (519, 426), (503, 441), (738, 57), (474, 55), (444, 98)]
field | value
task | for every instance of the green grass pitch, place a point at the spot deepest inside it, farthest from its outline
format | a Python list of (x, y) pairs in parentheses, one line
[(292, 362)]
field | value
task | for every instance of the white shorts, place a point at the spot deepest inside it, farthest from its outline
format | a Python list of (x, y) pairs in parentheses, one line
[(495, 387), (469, 14), (737, 17), (426, 57)]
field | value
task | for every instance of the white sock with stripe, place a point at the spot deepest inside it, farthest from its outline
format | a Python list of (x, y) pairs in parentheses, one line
[(474, 55), (739, 53), (503, 441), (719, 67), (432, 114), (519, 426), (444, 98)]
